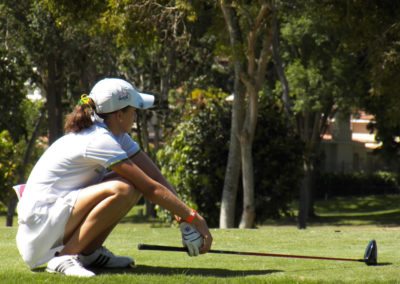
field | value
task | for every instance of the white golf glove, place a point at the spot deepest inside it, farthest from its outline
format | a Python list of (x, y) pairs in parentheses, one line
[(191, 238)]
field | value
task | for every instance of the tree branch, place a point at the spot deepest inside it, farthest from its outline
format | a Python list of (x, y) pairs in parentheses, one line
[(252, 38), (265, 55), (279, 65)]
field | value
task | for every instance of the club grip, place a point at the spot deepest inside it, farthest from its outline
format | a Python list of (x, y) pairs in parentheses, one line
[(159, 247)]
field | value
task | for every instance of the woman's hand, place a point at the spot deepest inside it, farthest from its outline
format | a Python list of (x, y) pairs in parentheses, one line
[(201, 226)]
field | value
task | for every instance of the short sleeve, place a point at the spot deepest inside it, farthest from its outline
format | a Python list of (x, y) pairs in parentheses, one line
[(105, 150), (128, 145)]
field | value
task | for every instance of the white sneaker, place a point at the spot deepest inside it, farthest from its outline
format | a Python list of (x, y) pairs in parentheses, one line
[(102, 257), (68, 265)]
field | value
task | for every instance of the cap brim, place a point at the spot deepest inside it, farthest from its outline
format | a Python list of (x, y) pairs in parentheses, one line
[(147, 101)]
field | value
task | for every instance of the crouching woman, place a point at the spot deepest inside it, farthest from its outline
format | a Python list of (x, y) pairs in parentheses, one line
[(88, 180)]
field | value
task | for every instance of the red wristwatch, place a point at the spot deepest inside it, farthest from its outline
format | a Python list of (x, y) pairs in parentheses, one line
[(191, 217)]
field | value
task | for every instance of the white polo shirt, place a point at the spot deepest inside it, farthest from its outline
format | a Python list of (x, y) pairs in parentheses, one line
[(74, 161)]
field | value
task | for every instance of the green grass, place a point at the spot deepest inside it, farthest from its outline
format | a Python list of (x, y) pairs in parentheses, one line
[(343, 229)]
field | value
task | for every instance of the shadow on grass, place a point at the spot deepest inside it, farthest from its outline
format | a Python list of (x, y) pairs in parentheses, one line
[(379, 210), (383, 264), (384, 219), (367, 210), (157, 270), (341, 268), (212, 272)]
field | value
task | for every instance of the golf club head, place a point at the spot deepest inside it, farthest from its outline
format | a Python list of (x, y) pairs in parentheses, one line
[(371, 253)]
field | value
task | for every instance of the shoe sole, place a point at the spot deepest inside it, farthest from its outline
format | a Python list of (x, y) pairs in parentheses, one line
[(52, 271), (56, 272)]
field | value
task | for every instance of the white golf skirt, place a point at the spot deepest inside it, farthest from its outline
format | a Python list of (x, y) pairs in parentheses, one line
[(42, 225)]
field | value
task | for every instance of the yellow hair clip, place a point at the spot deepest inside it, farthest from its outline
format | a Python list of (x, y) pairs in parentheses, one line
[(85, 100)]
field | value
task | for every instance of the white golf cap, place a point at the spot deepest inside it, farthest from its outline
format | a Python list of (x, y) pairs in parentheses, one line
[(112, 94)]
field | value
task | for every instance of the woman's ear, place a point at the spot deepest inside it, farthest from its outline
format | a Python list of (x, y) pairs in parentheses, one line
[(119, 113)]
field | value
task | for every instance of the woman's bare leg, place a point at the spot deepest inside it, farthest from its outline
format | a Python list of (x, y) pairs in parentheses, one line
[(96, 212)]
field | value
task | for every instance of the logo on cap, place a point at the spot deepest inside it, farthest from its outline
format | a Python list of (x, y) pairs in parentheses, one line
[(123, 95)]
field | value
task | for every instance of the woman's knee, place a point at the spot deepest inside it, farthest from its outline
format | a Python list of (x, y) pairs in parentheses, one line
[(125, 191)]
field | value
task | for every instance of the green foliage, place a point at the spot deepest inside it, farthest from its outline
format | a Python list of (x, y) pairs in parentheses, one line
[(8, 166), (13, 73), (75, 10), (321, 73), (277, 163), (12, 152), (369, 32), (195, 157), (18, 115), (358, 184), (164, 45)]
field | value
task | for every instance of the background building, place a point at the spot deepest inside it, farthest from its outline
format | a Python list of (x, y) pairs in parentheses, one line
[(348, 145)]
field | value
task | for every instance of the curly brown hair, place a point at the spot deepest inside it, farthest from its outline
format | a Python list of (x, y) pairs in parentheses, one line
[(80, 118)]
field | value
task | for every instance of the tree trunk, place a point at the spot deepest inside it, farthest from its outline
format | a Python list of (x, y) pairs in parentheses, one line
[(232, 174), (150, 207), (54, 89), (246, 145), (305, 195), (311, 210), (309, 127), (231, 182), (248, 214), (144, 132), (253, 79), (143, 135), (280, 71), (12, 204)]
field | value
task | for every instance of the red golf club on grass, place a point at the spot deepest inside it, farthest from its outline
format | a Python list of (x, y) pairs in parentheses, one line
[(370, 255)]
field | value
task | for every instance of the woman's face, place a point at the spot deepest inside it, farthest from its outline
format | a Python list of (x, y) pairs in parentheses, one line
[(126, 119)]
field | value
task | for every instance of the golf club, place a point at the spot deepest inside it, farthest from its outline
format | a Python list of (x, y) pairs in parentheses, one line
[(370, 256)]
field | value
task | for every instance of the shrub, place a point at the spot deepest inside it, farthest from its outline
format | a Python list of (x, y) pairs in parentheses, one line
[(195, 157), (277, 163), (337, 184), (8, 166)]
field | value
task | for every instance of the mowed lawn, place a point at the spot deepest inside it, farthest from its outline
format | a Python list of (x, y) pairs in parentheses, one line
[(344, 229)]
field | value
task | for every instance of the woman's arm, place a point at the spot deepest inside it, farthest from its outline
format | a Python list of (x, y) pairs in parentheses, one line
[(143, 161), (157, 193)]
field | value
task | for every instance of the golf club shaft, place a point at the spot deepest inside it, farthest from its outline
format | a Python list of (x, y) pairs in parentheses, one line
[(182, 249)]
